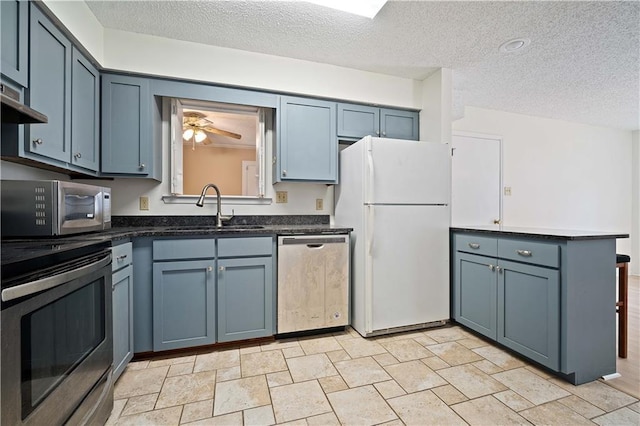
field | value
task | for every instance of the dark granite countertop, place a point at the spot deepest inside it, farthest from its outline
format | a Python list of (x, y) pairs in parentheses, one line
[(540, 233)]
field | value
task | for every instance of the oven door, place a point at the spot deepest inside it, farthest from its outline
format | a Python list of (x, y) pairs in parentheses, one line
[(56, 345), (80, 208)]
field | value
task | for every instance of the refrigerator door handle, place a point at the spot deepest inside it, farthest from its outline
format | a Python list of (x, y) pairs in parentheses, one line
[(371, 175), (370, 228)]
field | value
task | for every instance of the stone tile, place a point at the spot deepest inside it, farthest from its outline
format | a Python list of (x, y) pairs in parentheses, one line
[(231, 373), (581, 406), (385, 359), (396, 422), (140, 404), (170, 361), (359, 347), (473, 342), (280, 344), (499, 357), (424, 407), (299, 422), (361, 371), (487, 366), (531, 386), (217, 360), (348, 333), (454, 353), (225, 420), (278, 379), (197, 411), (449, 394), (622, 416), (332, 384), (340, 355), (118, 406), (554, 413), (250, 349), (310, 367), (513, 400), (140, 382), (472, 382), (447, 334), (166, 416), (319, 345), (292, 352), (259, 416), (425, 340), (299, 400), (361, 406), (138, 365), (262, 363), (414, 376), (539, 372), (635, 407), (328, 419), (241, 394), (180, 390), (488, 411), (406, 350), (389, 389), (435, 363), (602, 396), (180, 369)]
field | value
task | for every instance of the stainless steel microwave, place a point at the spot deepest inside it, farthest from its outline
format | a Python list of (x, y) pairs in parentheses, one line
[(33, 208)]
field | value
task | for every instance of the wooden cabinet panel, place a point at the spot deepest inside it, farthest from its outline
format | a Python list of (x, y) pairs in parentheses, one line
[(14, 36), (122, 319), (85, 113), (398, 124)]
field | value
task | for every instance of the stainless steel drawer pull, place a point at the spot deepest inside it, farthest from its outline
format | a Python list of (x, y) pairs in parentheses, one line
[(121, 257), (474, 245), (525, 253), (491, 267), (38, 141)]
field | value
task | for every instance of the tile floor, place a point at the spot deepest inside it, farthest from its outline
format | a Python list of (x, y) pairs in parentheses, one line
[(443, 376)]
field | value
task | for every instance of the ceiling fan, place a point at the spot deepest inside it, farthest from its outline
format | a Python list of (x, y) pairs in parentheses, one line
[(198, 129)]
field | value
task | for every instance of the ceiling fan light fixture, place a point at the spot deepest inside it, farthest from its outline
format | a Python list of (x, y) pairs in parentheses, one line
[(188, 134), (367, 8), (515, 45), (200, 136)]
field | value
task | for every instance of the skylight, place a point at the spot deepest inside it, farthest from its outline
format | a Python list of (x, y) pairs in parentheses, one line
[(366, 8)]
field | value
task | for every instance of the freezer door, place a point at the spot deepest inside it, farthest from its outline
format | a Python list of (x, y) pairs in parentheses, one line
[(408, 261), (406, 172)]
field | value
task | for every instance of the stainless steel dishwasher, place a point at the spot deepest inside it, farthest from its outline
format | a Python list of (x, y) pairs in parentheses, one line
[(313, 282)]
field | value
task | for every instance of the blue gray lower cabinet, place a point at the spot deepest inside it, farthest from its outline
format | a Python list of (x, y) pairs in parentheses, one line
[(183, 304), (245, 294), (122, 319), (555, 304)]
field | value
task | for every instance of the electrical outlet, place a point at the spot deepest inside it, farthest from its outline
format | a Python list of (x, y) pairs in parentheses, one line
[(144, 203), (319, 204), (507, 190), (281, 196)]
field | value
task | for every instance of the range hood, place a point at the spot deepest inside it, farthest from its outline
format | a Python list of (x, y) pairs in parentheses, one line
[(14, 111)]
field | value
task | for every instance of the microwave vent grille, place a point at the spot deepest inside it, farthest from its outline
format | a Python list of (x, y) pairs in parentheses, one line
[(40, 206)]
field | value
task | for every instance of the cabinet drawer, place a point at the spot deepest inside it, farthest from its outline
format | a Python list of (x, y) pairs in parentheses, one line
[(121, 256), (538, 253), (237, 247), (184, 249), (475, 244)]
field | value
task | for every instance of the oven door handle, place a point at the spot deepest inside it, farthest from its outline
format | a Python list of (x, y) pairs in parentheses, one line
[(36, 286)]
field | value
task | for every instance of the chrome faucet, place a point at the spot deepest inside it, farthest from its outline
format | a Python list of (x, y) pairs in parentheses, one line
[(200, 203)]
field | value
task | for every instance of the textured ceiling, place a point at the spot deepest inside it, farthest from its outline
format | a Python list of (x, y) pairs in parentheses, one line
[(583, 63)]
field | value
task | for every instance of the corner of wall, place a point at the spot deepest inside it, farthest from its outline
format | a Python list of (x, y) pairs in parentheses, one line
[(635, 203), (436, 114)]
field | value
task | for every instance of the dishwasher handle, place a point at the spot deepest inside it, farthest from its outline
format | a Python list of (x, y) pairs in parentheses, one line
[(313, 242)]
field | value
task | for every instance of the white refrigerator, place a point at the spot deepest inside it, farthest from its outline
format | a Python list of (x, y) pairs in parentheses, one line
[(395, 195)]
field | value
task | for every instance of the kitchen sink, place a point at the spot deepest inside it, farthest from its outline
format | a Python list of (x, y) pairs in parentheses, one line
[(196, 227)]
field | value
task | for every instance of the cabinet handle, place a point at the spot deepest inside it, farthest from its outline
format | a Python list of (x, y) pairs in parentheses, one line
[(474, 245), (499, 269), (142, 166), (496, 221), (377, 132), (491, 267), (384, 133), (77, 155), (38, 141), (209, 268), (121, 257), (525, 253), (221, 268), (284, 173)]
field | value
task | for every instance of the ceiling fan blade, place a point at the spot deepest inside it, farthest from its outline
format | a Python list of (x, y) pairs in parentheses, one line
[(207, 141), (193, 114), (222, 132)]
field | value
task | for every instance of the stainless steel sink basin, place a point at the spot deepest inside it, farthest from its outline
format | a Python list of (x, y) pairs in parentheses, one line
[(230, 227)]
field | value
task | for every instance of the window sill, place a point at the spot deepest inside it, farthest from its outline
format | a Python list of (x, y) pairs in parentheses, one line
[(228, 200)]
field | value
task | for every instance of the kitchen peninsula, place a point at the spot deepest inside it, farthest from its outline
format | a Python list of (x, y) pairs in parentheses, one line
[(547, 294)]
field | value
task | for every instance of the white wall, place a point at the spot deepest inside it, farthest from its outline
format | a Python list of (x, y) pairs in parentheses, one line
[(9, 170), (635, 211), (435, 117), (563, 175)]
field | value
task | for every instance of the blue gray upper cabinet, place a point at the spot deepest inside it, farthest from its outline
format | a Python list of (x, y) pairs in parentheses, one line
[(358, 121), (85, 113), (49, 89), (14, 35), (126, 126), (307, 148)]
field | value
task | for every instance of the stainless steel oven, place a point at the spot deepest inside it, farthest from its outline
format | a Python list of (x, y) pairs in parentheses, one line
[(53, 207), (56, 341)]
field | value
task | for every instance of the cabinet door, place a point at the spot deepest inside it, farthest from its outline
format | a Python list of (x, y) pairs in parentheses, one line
[(126, 125), (14, 37), (358, 121), (245, 298), (49, 89), (529, 311), (85, 107), (474, 295), (183, 304), (308, 146), (398, 124), (122, 320)]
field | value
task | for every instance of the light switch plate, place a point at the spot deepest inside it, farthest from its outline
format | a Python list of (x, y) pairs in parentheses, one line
[(319, 204), (507, 190), (144, 203)]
